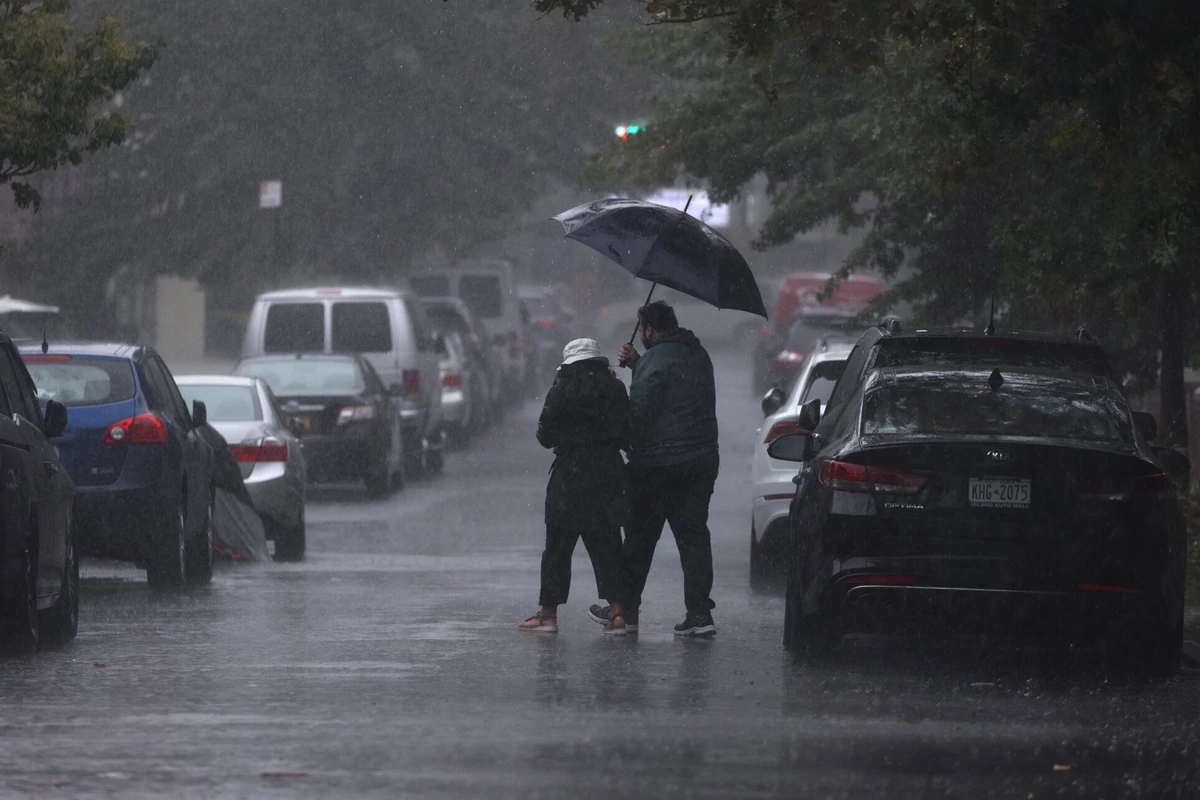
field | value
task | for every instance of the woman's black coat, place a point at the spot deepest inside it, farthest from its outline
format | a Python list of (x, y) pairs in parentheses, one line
[(587, 420)]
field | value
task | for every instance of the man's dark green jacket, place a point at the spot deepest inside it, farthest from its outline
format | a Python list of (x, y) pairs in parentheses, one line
[(674, 401)]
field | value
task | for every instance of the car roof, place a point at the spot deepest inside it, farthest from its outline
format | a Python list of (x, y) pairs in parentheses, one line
[(970, 333), (330, 292), (355, 357), (963, 374), (216, 380), (111, 349)]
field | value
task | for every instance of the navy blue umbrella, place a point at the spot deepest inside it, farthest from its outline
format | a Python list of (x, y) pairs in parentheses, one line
[(666, 246)]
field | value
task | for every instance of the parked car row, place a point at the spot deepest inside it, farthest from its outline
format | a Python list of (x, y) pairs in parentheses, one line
[(954, 480)]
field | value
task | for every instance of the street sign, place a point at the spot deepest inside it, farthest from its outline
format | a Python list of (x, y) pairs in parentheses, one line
[(270, 194), (715, 214)]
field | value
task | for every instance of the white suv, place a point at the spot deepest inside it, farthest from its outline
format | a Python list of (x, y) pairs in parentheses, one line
[(772, 480)]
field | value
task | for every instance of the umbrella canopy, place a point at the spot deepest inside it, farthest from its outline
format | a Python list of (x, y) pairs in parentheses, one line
[(666, 246)]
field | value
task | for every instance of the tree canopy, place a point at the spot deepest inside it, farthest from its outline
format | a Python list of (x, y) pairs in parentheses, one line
[(57, 81), (1041, 152)]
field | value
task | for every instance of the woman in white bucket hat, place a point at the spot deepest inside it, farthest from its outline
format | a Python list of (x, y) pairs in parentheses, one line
[(587, 421)]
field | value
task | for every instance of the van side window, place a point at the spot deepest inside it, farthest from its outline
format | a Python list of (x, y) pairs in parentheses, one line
[(361, 328), (295, 328)]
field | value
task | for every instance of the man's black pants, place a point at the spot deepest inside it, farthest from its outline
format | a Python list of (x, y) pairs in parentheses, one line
[(603, 543), (678, 494)]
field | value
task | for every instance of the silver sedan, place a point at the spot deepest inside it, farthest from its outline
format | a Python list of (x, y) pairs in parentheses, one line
[(246, 413)]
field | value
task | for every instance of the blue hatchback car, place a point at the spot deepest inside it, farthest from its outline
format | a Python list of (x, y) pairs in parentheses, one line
[(141, 466)]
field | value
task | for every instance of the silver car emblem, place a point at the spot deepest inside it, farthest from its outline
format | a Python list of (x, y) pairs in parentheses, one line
[(999, 455)]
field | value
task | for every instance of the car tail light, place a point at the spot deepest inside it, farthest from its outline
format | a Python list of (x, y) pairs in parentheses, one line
[(351, 414), (36, 359), (788, 359), (1098, 587), (412, 382), (846, 477), (546, 324), (1155, 485), (452, 380), (142, 429), (783, 428), (266, 451)]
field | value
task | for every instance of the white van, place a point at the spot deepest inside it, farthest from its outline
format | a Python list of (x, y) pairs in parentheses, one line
[(489, 289), (385, 325)]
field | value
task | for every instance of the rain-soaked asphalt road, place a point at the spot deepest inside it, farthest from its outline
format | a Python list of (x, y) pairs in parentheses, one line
[(388, 664)]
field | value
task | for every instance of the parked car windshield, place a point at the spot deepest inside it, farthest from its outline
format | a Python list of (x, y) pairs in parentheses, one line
[(963, 403), (292, 376), (75, 381), (225, 403)]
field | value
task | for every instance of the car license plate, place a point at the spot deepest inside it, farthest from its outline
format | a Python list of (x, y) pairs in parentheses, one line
[(999, 493)]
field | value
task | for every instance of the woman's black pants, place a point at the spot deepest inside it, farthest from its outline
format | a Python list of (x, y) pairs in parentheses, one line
[(603, 543)]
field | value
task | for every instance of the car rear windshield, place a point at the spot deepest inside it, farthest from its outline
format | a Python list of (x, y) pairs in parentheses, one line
[(444, 318), (303, 376), (482, 294), (965, 405), (225, 403), (991, 352), (295, 328), (430, 285), (361, 328), (81, 381)]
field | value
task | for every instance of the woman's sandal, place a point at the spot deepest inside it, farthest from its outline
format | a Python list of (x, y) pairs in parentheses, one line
[(539, 624), (615, 626)]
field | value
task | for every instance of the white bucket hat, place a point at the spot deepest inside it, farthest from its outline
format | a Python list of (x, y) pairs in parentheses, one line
[(581, 350)]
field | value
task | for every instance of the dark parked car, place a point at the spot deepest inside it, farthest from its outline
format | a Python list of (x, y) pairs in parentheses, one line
[(137, 455), (40, 595), (345, 416), (1021, 497)]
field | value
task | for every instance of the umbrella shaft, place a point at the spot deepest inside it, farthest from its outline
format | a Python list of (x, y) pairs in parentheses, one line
[(638, 324)]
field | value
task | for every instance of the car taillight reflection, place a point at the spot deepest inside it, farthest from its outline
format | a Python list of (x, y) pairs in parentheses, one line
[(788, 359), (846, 477), (452, 380), (142, 429), (266, 451), (1125, 488), (783, 428), (412, 382)]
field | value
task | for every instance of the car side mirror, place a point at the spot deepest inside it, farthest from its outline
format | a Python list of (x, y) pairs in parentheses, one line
[(1173, 461), (810, 415), (199, 413), (1146, 425), (56, 419), (773, 401), (793, 447)]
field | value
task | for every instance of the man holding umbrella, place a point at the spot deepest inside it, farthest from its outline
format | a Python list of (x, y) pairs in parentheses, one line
[(674, 458), (673, 463)]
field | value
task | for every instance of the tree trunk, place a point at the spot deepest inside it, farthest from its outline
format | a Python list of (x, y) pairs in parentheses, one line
[(1173, 393)]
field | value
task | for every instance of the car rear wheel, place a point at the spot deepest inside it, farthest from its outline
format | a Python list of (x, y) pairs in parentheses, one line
[(807, 635), (21, 599), (60, 623), (200, 550), (166, 566), (378, 480), (758, 569), (1161, 649), (290, 543)]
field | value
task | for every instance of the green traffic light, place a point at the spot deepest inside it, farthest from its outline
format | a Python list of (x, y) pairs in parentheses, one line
[(632, 129)]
